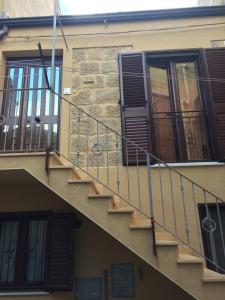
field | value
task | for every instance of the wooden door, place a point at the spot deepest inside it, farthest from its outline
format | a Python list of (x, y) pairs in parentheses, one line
[(30, 112)]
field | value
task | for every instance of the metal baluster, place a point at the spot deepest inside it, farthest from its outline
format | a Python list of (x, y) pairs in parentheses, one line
[(184, 207), (138, 178), (107, 153), (6, 114), (97, 161), (69, 135), (196, 217), (173, 204), (88, 133), (220, 225), (127, 170), (78, 137), (212, 242), (117, 166), (150, 198), (161, 194)]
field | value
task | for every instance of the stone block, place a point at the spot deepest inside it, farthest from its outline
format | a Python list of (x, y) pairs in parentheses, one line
[(107, 95), (95, 53), (95, 110), (112, 80), (112, 110), (78, 55), (76, 82), (109, 67), (83, 97), (89, 68)]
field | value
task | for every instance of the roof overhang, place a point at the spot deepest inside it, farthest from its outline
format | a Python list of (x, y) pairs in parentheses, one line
[(120, 17)]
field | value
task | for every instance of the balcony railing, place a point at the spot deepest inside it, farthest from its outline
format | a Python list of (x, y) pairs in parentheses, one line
[(180, 136)]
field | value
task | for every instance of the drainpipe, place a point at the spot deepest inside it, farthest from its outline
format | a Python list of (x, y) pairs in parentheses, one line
[(3, 32)]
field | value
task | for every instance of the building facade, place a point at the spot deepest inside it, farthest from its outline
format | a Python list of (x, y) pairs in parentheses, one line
[(112, 161)]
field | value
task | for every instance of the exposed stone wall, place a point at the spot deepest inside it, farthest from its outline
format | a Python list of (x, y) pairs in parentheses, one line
[(95, 89)]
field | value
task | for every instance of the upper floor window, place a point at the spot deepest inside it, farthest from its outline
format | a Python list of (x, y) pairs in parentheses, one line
[(176, 111), (173, 105)]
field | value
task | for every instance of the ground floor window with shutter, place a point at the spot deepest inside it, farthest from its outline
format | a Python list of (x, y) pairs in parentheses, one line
[(173, 105), (29, 255)]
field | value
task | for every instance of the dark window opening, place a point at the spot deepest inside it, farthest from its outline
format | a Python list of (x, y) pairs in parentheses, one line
[(36, 251), (212, 223), (23, 240)]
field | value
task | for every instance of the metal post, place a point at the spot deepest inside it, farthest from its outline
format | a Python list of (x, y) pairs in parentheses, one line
[(52, 80), (151, 202)]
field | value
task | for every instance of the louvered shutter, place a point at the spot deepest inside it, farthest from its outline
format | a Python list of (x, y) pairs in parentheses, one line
[(134, 106), (60, 252), (216, 71)]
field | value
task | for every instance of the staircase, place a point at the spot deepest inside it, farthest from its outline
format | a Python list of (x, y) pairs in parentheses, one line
[(178, 262), (153, 211)]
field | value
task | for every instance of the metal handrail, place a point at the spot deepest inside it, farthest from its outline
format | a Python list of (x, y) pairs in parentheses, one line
[(159, 161), (180, 190)]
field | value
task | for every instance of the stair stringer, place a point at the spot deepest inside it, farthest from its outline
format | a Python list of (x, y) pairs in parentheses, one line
[(117, 224)]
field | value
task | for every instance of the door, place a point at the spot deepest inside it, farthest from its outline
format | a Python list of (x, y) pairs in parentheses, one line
[(176, 114), (29, 112)]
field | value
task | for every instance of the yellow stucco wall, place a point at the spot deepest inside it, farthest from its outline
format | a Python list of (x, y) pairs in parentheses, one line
[(94, 250)]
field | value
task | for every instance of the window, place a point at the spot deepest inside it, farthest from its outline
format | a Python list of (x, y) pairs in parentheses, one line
[(168, 109), (212, 220), (29, 253), (31, 249), (176, 112)]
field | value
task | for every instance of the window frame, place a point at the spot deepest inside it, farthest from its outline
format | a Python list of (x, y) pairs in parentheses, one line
[(19, 282), (196, 55)]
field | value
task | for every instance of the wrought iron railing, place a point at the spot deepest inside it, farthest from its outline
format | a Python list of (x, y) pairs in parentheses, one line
[(171, 201)]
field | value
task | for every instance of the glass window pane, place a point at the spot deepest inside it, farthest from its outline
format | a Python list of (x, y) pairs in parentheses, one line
[(30, 94), (164, 141), (48, 95), (8, 243), (57, 89), (36, 250), (191, 115), (39, 93)]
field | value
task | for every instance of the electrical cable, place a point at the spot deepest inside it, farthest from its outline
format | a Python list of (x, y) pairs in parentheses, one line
[(124, 74)]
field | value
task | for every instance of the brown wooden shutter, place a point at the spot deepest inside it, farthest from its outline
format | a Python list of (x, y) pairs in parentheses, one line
[(134, 106), (216, 71), (60, 252)]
